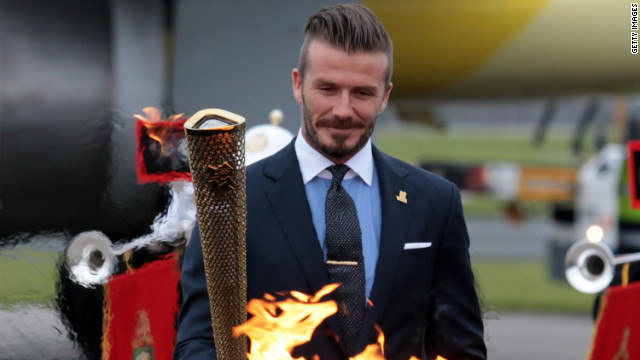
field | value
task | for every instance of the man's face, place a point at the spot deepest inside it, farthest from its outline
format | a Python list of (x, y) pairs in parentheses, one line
[(341, 95)]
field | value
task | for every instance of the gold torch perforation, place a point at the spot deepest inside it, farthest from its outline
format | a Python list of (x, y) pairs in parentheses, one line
[(216, 161)]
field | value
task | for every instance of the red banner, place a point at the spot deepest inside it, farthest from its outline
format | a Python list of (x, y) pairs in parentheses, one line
[(140, 312), (617, 331), (633, 164)]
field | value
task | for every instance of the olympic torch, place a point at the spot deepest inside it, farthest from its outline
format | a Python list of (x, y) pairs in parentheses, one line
[(215, 141)]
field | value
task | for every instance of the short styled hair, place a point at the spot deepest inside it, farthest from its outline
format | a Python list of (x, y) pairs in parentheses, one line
[(350, 28)]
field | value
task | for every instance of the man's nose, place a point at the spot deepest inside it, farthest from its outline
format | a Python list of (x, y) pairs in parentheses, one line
[(343, 108)]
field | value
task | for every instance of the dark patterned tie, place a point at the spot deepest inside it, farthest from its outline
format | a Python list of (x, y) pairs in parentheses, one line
[(345, 263)]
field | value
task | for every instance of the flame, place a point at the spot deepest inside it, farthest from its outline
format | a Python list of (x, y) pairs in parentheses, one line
[(154, 115), (277, 327), (374, 351), (157, 133)]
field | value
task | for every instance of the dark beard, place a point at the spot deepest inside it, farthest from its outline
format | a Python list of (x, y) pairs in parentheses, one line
[(341, 151)]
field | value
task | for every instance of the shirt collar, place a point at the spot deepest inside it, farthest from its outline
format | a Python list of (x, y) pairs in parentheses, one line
[(313, 163)]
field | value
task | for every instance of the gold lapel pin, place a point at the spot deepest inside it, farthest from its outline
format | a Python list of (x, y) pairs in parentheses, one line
[(402, 197)]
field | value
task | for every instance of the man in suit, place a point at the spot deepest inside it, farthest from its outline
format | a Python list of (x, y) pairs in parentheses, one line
[(416, 282)]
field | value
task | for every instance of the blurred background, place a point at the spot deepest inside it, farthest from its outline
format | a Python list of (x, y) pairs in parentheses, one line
[(525, 105)]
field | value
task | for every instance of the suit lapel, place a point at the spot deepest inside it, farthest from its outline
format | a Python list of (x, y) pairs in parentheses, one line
[(290, 206), (395, 224), (288, 200)]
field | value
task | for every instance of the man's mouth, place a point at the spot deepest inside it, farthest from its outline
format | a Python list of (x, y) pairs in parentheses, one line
[(340, 124)]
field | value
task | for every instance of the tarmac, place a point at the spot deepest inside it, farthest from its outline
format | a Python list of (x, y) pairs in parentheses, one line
[(530, 336)]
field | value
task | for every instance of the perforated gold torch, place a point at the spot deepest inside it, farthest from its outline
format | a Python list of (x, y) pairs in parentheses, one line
[(215, 141)]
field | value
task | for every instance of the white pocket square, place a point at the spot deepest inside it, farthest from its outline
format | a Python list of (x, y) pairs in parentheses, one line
[(417, 245)]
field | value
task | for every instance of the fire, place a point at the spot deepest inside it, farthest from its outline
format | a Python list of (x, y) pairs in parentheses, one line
[(279, 326), (156, 131), (154, 115), (374, 351)]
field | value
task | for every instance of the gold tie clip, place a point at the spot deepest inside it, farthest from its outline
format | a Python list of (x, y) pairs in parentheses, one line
[(346, 263)]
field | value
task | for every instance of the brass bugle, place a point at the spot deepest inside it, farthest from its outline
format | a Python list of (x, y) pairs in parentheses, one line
[(91, 258), (590, 267)]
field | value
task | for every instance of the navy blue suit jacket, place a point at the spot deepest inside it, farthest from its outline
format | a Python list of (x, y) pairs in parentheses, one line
[(423, 299)]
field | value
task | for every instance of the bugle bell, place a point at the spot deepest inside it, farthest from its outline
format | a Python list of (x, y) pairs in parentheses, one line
[(91, 258), (590, 266)]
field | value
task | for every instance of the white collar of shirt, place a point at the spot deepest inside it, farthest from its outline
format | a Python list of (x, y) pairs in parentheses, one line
[(312, 163)]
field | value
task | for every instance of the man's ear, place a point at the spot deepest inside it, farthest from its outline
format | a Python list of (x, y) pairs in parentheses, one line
[(297, 85), (385, 98)]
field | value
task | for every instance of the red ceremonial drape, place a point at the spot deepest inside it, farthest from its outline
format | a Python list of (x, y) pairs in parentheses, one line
[(140, 312), (617, 331)]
